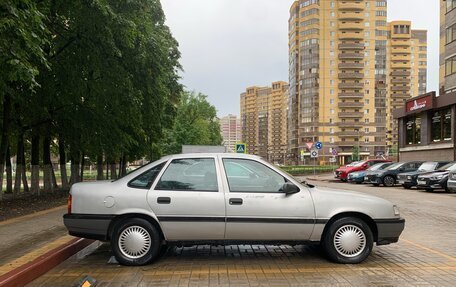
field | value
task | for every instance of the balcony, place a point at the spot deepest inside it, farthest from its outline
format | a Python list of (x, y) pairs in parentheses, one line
[(350, 134), (351, 86), (351, 66), (356, 56), (351, 76), (351, 115), (351, 6), (401, 96), (400, 88), (351, 26), (348, 143), (401, 73), (401, 57), (347, 15), (400, 81), (350, 105), (354, 125), (351, 35), (401, 65), (351, 95), (351, 46), (401, 50)]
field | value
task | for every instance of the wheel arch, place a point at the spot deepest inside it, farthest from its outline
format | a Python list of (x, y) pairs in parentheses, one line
[(364, 217), (122, 217)]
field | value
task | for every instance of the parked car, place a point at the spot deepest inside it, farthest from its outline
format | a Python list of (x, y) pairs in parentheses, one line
[(408, 179), (342, 172), (188, 199), (451, 184), (388, 176), (437, 179), (358, 176)]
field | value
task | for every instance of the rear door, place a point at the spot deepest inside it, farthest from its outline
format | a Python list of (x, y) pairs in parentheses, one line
[(188, 201), (257, 208)]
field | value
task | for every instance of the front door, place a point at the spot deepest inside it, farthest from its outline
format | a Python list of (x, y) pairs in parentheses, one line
[(188, 202), (257, 209)]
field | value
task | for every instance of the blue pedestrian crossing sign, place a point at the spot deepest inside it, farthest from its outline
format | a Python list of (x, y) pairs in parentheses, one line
[(318, 145), (241, 148)]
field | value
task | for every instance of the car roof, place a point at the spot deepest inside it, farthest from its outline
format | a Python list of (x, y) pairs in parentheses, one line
[(199, 155)]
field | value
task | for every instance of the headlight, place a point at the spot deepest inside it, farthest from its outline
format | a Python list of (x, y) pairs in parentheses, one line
[(438, 177), (396, 210), (409, 177), (453, 176)]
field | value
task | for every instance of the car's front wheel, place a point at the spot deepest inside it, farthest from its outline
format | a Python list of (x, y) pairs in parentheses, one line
[(135, 242), (388, 181), (348, 240)]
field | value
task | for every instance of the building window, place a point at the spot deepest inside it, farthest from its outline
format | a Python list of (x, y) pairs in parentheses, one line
[(450, 34), (450, 66), (441, 126), (413, 131), (450, 5)]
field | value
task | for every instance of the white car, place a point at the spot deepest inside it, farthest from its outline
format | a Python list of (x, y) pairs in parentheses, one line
[(226, 199)]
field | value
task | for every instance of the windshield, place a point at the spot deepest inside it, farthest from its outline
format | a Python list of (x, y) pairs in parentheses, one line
[(353, 163), (379, 166), (427, 166), (358, 164), (449, 166), (394, 166)]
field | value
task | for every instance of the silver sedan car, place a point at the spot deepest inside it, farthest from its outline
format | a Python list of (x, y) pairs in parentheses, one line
[(193, 199)]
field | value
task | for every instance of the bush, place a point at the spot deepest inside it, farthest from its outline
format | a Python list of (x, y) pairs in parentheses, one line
[(303, 170)]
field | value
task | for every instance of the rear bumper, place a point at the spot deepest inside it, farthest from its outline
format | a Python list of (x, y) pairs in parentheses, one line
[(88, 226), (389, 230)]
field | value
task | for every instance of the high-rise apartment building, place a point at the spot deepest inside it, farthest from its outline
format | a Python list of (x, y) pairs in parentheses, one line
[(341, 84), (230, 128), (447, 46), (264, 121), (407, 70)]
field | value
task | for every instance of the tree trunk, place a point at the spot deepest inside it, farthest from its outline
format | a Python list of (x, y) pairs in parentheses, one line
[(82, 168), (9, 172), (35, 181), (19, 167), (75, 158), (123, 167), (62, 161), (113, 169), (100, 175), (6, 122), (47, 164)]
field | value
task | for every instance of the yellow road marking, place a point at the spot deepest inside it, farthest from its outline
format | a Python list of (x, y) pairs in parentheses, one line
[(7, 267), (451, 258), (28, 216)]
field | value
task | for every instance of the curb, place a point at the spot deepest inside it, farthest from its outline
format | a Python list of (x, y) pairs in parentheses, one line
[(42, 264)]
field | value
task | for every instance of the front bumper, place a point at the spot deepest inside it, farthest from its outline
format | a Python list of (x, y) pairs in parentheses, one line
[(389, 230), (431, 184), (92, 226)]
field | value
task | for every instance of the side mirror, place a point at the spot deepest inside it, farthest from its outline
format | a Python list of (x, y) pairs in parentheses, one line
[(289, 188)]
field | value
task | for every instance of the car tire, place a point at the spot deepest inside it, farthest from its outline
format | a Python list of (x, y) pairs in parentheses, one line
[(388, 181), (348, 240), (135, 242), (406, 186)]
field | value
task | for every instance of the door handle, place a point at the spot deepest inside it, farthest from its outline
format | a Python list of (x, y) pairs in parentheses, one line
[(163, 200), (235, 201)]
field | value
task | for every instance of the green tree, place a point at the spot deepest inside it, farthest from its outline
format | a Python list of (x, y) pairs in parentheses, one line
[(195, 124)]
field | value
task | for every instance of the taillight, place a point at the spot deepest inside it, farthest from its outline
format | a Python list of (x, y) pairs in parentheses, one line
[(70, 199)]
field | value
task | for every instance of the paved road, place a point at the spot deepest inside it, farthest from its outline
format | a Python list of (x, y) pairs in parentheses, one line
[(425, 256)]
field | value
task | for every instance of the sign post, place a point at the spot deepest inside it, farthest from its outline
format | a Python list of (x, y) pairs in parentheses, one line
[(314, 155)]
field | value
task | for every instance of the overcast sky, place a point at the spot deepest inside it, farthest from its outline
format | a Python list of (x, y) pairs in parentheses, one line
[(228, 45)]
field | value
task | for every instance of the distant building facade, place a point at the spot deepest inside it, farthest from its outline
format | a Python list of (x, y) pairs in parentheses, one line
[(447, 46), (264, 121), (230, 128), (348, 69)]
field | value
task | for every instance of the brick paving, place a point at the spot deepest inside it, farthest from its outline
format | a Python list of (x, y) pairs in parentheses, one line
[(425, 256)]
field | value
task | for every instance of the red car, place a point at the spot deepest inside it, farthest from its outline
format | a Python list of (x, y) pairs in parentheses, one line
[(343, 171)]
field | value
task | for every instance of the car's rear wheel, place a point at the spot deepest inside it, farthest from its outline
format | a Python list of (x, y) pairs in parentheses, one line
[(388, 181), (348, 240), (135, 242)]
